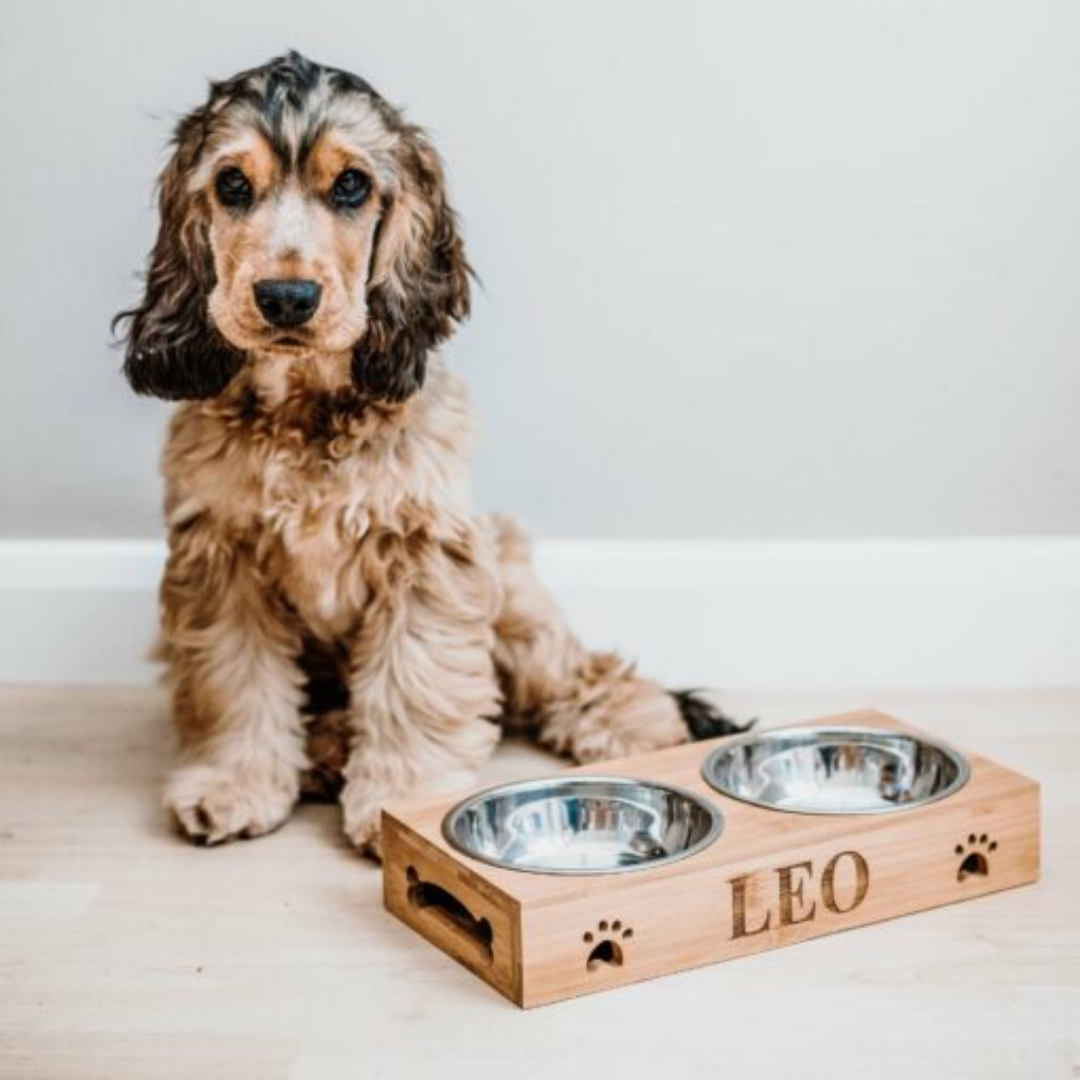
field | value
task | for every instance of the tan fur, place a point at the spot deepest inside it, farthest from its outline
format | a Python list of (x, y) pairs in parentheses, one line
[(321, 528), (589, 706), (360, 531), (292, 234)]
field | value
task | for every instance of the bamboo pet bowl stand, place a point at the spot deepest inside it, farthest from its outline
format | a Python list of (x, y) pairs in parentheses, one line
[(771, 879)]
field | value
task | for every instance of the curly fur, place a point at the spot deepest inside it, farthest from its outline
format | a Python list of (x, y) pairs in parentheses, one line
[(335, 617)]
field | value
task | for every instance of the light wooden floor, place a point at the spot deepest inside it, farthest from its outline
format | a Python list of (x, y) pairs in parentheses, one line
[(126, 953)]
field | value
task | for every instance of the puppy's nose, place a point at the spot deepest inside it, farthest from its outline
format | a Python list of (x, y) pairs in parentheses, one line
[(287, 302)]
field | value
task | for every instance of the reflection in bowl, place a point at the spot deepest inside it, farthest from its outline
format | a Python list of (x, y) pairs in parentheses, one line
[(835, 770), (582, 825)]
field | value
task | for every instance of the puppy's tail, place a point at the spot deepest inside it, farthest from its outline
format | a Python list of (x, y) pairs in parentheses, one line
[(703, 719)]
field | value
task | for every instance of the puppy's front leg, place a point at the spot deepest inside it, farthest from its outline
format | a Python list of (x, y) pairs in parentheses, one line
[(237, 691), (423, 690)]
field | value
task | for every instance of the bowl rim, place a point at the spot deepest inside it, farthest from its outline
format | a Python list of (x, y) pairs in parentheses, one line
[(712, 834), (868, 734)]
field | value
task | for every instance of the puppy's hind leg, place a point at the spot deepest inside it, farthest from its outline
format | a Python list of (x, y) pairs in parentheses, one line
[(590, 706)]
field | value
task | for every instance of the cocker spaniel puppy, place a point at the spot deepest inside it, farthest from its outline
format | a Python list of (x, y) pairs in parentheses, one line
[(333, 611)]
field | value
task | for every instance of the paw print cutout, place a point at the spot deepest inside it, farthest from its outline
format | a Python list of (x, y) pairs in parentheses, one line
[(606, 942), (974, 856)]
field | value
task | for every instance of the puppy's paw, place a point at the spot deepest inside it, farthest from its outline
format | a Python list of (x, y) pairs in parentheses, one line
[(213, 804), (636, 718), (362, 819), (371, 845), (362, 802)]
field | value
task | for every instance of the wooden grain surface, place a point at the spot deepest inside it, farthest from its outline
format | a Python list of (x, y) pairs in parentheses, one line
[(750, 832), (682, 915), (126, 953)]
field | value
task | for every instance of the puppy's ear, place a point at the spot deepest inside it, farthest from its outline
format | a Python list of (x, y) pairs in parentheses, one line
[(419, 284), (173, 350)]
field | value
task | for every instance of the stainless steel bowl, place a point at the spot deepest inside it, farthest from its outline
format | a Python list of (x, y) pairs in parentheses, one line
[(582, 825), (835, 770)]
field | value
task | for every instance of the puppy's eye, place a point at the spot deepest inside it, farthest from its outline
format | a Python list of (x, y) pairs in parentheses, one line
[(233, 188), (350, 189)]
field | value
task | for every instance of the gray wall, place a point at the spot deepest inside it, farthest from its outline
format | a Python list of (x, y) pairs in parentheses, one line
[(762, 268)]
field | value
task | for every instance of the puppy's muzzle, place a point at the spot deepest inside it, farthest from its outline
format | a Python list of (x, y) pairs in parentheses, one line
[(287, 302)]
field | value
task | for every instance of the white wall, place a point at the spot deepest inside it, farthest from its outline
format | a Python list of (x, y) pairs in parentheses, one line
[(768, 268), (738, 614)]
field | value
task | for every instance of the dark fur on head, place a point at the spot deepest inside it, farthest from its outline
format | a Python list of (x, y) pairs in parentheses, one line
[(173, 350), (408, 319), (418, 283)]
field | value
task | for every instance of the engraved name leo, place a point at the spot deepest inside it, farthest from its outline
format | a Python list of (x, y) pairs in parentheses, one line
[(793, 886)]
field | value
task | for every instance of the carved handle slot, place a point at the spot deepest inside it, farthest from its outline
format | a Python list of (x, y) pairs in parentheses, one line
[(466, 928)]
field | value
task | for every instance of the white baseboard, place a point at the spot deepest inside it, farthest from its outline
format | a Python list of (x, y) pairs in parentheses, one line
[(737, 614)]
